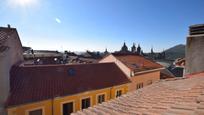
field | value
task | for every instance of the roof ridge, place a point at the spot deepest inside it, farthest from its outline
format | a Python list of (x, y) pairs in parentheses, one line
[(61, 65)]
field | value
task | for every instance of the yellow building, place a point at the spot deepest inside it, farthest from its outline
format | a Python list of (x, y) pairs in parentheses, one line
[(63, 89), (140, 71)]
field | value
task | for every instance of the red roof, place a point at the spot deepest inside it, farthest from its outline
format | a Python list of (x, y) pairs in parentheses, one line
[(4, 36), (36, 83), (197, 74), (137, 63), (176, 96)]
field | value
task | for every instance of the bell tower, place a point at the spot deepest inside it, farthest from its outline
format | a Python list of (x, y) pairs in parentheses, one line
[(124, 48), (133, 48)]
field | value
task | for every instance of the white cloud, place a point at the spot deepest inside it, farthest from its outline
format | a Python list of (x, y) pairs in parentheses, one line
[(58, 20)]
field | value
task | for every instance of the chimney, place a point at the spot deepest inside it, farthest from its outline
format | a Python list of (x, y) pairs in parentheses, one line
[(9, 26), (195, 49)]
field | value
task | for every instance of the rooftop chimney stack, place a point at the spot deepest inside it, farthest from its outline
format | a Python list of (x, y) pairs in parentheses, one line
[(195, 49), (9, 26)]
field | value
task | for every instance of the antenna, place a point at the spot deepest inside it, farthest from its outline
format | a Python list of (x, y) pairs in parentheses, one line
[(62, 48)]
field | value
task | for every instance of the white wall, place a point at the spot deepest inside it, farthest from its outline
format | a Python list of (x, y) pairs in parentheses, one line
[(7, 59)]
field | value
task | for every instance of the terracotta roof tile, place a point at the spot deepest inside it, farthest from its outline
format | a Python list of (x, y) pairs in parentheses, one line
[(137, 63), (175, 97), (195, 74), (36, 83)]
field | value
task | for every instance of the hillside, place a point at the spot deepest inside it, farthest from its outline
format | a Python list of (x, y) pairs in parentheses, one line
[(175, 52)]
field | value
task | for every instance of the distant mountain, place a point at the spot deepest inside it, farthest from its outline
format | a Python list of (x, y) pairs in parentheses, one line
[(175, 52)]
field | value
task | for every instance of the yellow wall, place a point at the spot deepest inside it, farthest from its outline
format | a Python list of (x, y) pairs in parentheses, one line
[(23, 109), (58, 101), (143, 78)]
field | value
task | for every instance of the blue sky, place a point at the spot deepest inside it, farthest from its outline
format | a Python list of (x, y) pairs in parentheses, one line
[(79, 25)]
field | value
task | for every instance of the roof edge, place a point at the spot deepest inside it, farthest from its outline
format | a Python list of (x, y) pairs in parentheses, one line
[(147, 71), (63, 96)]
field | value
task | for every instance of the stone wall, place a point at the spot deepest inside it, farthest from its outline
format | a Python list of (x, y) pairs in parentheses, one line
[(195, 54), (195, 49)]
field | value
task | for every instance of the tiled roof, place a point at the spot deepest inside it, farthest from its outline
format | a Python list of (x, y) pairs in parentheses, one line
[(175, 97), (89, 54), (4, 33), (198, 74), (81, 60), (36, 83), (136, 62), (44, 60)]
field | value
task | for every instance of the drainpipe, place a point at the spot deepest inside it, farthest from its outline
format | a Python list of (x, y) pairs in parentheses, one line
[(52, 106), (111, 93)]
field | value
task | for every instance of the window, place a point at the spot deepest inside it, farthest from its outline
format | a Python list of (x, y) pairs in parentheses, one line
[(36, 112), (85, 103), (71, 72), (118, 93), (101, 98), (67, 108), (140, 85)]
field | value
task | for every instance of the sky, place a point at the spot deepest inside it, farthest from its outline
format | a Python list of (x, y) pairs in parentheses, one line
[(80, 25)]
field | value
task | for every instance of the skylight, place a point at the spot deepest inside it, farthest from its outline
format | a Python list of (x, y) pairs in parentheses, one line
[(71, 72)]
